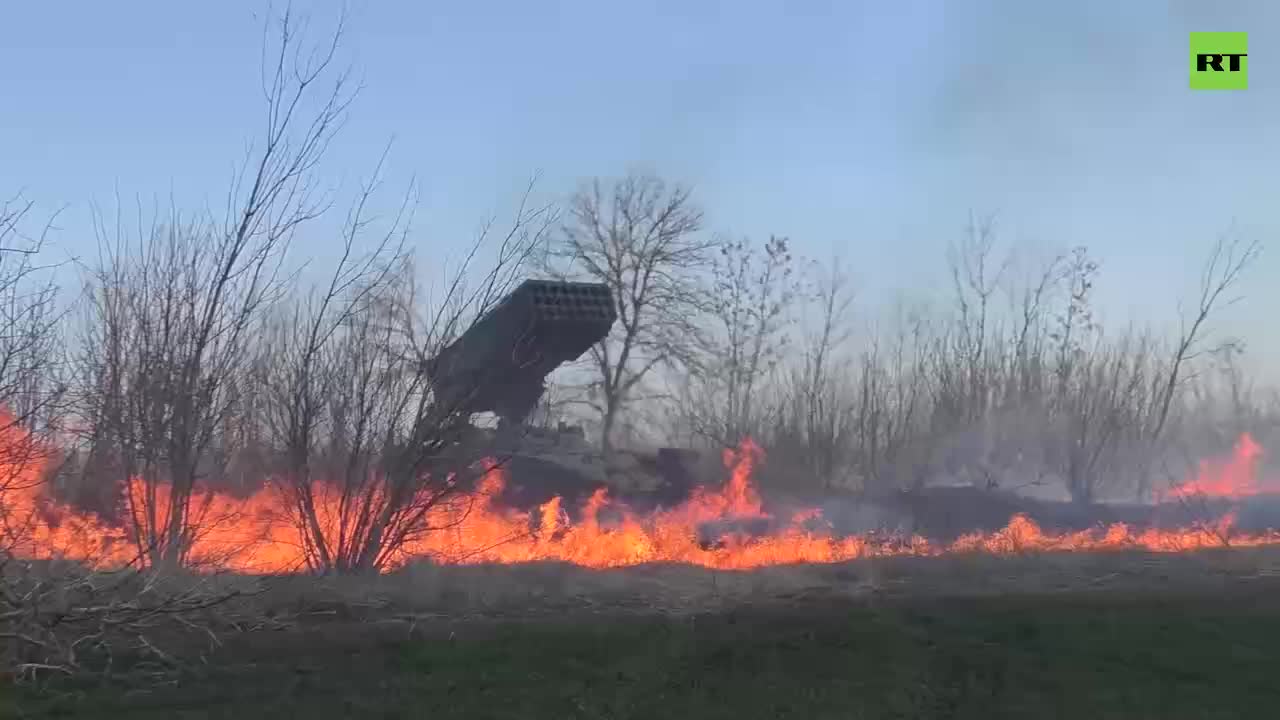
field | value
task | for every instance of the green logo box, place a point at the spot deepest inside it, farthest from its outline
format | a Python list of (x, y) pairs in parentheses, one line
[(1219, 60)]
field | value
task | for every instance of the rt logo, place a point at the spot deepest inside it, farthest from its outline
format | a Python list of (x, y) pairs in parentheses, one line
[(1219, 60)]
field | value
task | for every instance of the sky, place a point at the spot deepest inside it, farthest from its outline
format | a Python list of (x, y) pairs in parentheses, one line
[(870, 130)]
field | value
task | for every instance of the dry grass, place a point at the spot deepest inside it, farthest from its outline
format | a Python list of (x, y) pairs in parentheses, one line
[(424, 589), (1107, 636), (59, 618), (158, 624)]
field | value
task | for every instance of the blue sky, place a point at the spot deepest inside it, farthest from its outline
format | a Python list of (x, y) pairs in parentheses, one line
[(868, 129)]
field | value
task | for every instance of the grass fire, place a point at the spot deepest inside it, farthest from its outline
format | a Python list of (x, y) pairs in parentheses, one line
[(794, 426), (257, 535)]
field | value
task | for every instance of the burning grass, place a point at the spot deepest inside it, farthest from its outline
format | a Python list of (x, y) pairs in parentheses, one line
[(258, 534), (80, 596), (887, 635)]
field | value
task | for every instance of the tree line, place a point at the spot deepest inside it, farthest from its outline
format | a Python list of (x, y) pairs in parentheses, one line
[(1008, 379)]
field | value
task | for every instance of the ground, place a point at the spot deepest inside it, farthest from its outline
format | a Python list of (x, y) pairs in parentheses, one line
[(1036, 637)]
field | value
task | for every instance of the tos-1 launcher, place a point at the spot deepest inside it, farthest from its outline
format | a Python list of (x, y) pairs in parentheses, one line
[(501, 362)]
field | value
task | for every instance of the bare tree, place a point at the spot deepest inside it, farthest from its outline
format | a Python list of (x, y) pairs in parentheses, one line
[(173, 313), (373, 454), (1096, 409), (753, 293), (640, 237), (32, 385), (1032, 304), (1228, 260), (299, 368), (813, 428), (976, 277)]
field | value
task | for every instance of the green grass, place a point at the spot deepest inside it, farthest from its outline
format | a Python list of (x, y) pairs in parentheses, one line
[(1084, 657)]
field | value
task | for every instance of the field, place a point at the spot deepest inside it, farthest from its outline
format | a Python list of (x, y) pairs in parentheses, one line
[(1063, 635)]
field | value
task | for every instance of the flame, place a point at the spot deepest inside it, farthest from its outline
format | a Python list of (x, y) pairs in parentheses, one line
[(257, 534), (1237, 477)]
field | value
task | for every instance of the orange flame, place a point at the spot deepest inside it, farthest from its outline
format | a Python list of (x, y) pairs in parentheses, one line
[(1235, 478), (256, 535)]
